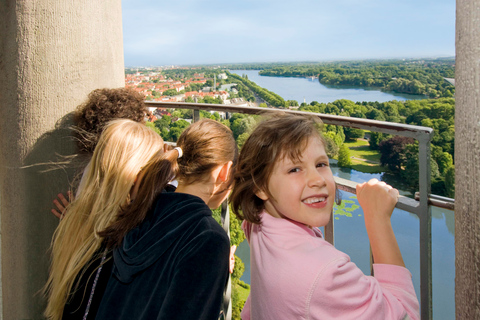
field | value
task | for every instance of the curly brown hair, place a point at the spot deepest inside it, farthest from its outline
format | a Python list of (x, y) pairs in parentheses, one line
[(102, 106)]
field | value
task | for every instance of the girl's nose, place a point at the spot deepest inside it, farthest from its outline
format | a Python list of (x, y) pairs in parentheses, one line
[(316, 179)]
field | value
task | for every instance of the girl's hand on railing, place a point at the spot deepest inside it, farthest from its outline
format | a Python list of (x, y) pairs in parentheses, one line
[(378, 200), (62, 204)]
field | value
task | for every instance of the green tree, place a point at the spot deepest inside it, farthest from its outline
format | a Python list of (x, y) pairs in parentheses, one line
[(292, 103), (375, 139), (450, 181), (170, 92), (177, 128), (393, 153), (242, 125), (352, 134), (242, 139), (151, 125), (333, 143), (344, 156)]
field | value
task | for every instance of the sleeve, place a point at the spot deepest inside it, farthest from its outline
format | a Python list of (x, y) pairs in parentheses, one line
[(341, 290), (199, 279)]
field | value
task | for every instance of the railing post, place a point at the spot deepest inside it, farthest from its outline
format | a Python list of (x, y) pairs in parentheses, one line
[(227, 296), (425, 216), (196, 115), (329, 230)]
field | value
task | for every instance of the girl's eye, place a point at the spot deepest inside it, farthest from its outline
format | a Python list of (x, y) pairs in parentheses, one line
[(322, 164), (294, 170)]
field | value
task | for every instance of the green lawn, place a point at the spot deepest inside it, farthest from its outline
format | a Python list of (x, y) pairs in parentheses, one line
[(364, 159), (243, 293)]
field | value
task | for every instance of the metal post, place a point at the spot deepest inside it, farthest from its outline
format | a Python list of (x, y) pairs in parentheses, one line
[(227, 296), (329, 231), (425, 216), (196, 115)]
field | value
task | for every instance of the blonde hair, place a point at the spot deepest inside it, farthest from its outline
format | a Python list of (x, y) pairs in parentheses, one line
[(205, 144), (123, 149)]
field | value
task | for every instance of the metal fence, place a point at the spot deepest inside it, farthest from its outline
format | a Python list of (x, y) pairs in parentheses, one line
[(419, 206)]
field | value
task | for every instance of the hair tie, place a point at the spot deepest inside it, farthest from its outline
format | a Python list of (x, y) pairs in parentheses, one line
[(180, 152)]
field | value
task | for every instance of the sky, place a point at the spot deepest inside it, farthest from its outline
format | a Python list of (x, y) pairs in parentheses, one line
[(188, 32)]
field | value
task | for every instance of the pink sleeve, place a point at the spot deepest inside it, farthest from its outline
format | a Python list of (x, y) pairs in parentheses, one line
[(245, 315), (341, 290), (398, 281)]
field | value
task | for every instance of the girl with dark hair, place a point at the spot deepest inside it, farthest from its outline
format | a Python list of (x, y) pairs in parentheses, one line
[(284, 190)]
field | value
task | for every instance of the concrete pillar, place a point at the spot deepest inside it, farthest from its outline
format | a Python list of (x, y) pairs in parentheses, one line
[(52, 54), (467, 163)]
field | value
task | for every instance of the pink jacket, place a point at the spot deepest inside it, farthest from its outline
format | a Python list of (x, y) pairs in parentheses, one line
[(296, 274)]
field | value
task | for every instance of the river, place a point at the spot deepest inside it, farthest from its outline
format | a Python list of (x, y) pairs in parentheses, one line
[(350, 234), (304, 89)]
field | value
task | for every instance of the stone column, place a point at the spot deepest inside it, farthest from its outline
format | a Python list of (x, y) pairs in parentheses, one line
[(52, 54), (467, 163)]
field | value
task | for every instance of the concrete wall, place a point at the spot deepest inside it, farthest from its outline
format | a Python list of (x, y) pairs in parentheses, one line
[(467, 163), (52, 54)]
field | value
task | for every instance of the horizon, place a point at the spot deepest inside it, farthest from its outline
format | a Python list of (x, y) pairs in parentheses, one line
[(194, 32), (221, 64)]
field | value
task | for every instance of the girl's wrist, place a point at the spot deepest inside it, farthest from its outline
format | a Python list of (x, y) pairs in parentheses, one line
[(377, 222)]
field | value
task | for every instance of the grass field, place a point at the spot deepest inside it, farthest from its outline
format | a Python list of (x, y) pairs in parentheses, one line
[(243, 293), (364, 159)]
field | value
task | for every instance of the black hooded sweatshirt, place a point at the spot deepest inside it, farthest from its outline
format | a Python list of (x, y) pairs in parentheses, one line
[(173, 266)]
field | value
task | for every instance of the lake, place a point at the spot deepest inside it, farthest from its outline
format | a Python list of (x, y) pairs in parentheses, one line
[(304, 89), (350, 234)]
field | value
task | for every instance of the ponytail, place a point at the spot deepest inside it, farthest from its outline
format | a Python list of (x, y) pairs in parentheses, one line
[(155, 176)]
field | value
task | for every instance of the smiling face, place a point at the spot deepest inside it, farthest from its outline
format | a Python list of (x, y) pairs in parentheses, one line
[(302, 190)]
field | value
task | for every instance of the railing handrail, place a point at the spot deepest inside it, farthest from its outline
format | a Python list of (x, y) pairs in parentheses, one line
[(417, 132)]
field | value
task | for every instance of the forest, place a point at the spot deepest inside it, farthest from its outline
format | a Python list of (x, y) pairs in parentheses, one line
[(422, 77)]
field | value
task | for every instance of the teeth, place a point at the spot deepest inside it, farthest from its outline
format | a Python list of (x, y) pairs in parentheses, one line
[(313, 200)]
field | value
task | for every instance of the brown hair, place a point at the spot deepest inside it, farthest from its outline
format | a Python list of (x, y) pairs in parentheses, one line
[(102, 106), (206, 144), (282, 135)]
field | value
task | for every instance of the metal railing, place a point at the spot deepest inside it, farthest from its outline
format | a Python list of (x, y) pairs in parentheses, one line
[(419, 206)]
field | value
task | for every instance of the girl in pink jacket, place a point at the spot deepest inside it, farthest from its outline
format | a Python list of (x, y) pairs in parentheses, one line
[(284, 190)]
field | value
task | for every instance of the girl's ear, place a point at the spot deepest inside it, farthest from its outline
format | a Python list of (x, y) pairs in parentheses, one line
[(262, 195), (136, 185), (224, 173)]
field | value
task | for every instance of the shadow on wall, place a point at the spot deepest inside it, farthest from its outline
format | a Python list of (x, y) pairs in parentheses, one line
[(50, 168)]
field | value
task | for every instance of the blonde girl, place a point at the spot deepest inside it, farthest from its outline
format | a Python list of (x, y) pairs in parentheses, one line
[(284, 190), (170, 257), (123, 149)]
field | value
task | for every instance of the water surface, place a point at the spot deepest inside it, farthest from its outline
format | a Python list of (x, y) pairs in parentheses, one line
[(304, 89)]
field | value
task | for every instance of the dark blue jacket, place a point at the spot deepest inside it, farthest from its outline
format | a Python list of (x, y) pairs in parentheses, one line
[(173, 266)]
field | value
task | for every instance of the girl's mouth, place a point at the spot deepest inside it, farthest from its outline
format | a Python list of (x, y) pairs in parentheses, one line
[(318, 202), (314, 200)]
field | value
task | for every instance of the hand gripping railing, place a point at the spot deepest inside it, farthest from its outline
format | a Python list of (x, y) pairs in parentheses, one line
[(419, 206)]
